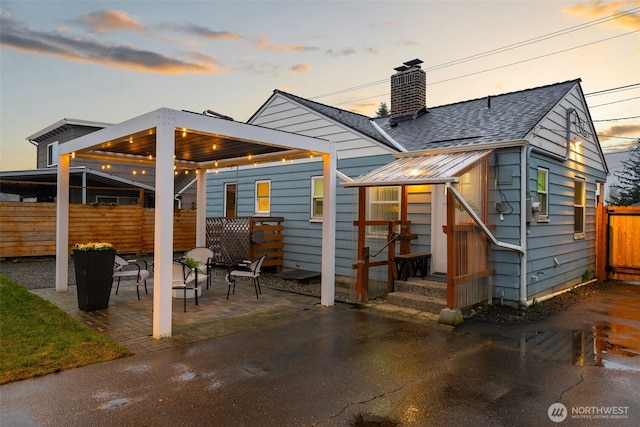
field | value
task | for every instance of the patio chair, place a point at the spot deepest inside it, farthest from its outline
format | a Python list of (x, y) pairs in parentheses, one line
[(204, 257), (131, 269), (185, 278), (245, 269)]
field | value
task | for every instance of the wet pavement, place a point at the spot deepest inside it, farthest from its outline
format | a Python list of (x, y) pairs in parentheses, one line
[(346, 366)]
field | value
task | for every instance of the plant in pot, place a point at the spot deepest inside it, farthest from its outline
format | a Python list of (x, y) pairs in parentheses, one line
[(93, 264)]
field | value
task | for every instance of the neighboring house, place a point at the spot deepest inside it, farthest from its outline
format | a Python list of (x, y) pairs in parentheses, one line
[(512, 179), (92, 181)]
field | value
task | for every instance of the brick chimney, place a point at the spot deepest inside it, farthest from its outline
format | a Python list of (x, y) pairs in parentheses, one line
[(408, 89)]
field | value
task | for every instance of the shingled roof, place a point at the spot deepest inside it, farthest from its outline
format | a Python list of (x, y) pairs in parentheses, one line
[(506, 117)]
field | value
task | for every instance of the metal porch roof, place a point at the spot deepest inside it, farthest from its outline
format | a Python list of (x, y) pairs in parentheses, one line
[(424, 169)]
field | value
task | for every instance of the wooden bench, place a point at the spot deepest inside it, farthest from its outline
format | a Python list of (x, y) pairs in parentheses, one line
[(415, 264)]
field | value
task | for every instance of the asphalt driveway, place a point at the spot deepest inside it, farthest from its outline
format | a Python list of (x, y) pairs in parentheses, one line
[(360, 367)]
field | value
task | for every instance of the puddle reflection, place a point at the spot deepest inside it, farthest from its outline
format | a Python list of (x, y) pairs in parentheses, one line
[(614, 346)]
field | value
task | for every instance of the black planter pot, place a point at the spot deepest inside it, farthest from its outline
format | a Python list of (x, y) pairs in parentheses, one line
[(94, 278)]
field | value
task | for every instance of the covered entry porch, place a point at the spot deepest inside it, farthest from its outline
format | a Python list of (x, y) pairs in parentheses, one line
[(456, 208)]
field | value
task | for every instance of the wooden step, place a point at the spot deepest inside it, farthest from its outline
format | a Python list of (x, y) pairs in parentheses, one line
[(417, 302)]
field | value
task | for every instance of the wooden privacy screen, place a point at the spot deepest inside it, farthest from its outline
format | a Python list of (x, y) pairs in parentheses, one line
[(29, 229)]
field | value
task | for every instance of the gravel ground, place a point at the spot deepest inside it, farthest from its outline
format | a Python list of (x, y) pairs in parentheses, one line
[(39, 272), (536, 313)]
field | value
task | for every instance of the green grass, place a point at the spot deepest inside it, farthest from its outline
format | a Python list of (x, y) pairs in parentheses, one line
[(37, 338)]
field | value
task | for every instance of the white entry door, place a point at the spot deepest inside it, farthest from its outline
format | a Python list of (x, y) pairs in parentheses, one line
[(438, 238)]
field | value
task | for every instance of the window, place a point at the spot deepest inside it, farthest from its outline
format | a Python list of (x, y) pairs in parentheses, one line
[(543, 194), (579, 211), (230, 199), (52, 154), (384, 204), (263, 197), (317, 189)]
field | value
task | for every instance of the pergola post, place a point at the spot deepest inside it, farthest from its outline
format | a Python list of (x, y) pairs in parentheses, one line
[(62, 225), (328, 286), (201, 208), (163, 237)]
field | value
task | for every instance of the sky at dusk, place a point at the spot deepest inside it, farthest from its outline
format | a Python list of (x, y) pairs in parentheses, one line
[(109, 61)]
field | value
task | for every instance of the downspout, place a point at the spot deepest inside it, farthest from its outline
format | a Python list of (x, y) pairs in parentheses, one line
[(524, 186)]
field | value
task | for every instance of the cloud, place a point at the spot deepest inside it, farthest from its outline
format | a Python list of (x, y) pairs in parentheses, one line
[(341, 52), (265, 43), (301, 68), (106, 21), (203, 32), (595, 9), (15, 36), (612, 132), (363, 108)]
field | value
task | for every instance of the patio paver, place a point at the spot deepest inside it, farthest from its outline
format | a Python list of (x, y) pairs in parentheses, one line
[(128, 321)]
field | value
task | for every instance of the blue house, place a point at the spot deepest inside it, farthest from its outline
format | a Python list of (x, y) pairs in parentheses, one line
[(495, 196)]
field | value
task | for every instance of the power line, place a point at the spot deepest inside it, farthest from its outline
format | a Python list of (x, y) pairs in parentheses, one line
[(617, 137), (534, 40), (615, 102), (613, 89), (501, 66), (493, 51), (615, 120), (535, 58)]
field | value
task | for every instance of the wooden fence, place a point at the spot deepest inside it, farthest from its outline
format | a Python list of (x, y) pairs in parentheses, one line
[(618, 243), (29, 229)]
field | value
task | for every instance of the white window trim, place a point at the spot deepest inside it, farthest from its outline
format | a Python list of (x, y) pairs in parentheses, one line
[(581, 234), (257, 205), (315, 218), (544, 217), (52, 159)]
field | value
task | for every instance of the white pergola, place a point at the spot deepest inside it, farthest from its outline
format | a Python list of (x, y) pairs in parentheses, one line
[(170, 139)]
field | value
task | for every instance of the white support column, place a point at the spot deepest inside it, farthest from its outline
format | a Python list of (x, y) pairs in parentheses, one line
[(62, 225), (163, 238), (201, 208), (328, 285)]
